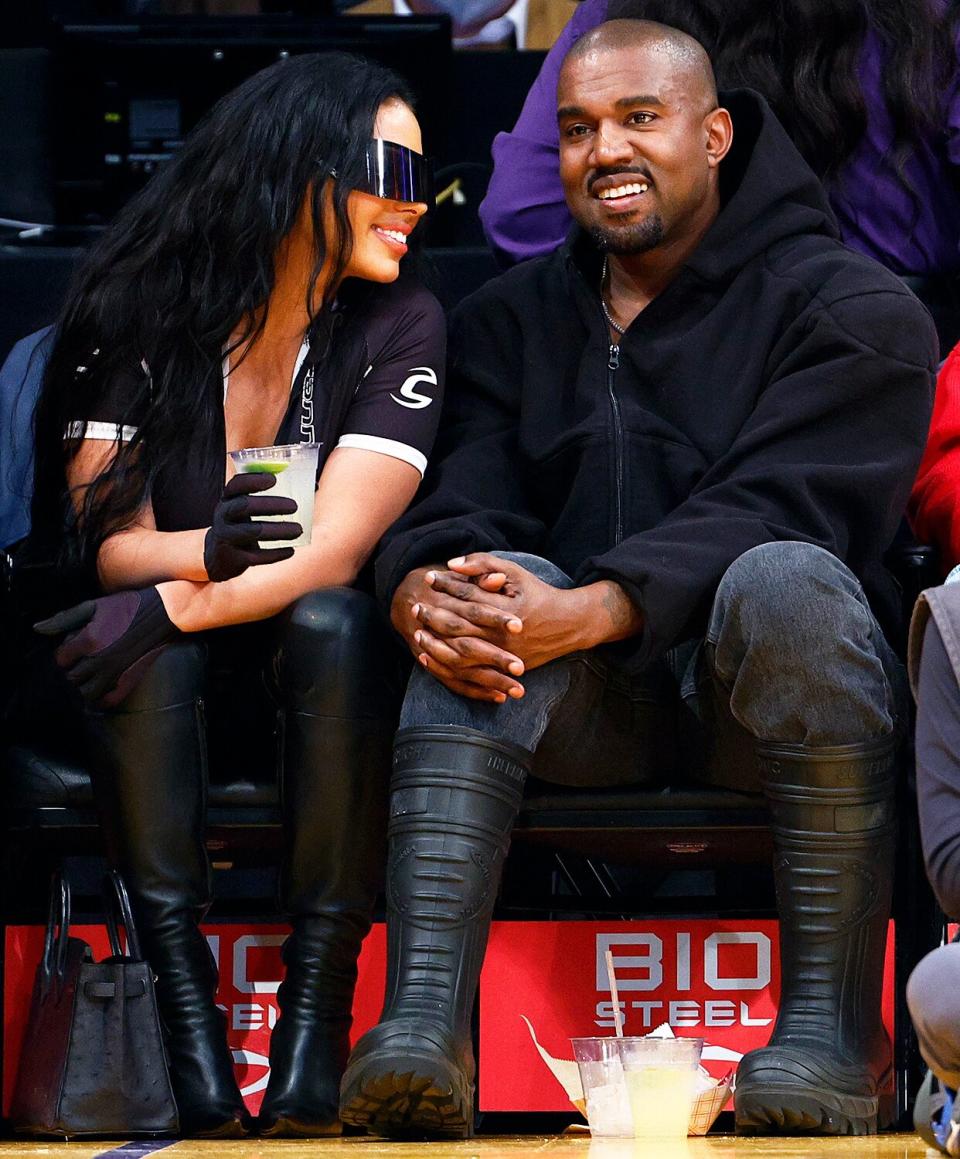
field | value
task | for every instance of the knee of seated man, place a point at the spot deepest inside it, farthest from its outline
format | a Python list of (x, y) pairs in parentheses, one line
[(795, 593), (336, 656)]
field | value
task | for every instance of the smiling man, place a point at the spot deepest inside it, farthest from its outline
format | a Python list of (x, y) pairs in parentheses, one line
[(673, 455), (608, 176)]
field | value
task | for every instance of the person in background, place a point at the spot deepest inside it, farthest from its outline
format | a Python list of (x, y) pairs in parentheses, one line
[(869, 92), (250, 295), (473, 22), (673, 454), (933, 991)]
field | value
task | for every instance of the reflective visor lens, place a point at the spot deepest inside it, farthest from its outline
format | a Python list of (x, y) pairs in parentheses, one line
[(398, 173)]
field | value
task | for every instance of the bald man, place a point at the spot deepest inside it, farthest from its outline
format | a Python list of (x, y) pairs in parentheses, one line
[(673, 455)]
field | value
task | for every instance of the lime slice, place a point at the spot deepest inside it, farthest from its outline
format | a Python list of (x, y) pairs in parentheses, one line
[(258, 467)]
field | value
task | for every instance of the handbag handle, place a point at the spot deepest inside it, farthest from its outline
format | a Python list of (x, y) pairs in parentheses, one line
[(115, 897), (56, 936)]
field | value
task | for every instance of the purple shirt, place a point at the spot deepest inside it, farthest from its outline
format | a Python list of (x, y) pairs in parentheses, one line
[(524, 213)]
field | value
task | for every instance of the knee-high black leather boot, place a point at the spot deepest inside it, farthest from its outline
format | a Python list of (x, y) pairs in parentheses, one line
[(455, 797), (827, 1068), (149, 763), (337, 675)]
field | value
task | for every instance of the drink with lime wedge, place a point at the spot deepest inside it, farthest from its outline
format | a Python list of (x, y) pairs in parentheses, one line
[(295, 469)]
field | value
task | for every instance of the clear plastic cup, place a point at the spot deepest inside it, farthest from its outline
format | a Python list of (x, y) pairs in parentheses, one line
[(295, 469), (661, 1075), (604, 1091)]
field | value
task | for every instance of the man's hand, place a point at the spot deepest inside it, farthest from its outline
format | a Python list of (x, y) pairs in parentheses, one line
[(460, 634), (554, 621), (486, 620)]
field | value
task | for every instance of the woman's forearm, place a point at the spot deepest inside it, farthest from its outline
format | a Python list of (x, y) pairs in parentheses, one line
[(260, 592), (359, 495), (140, 557)]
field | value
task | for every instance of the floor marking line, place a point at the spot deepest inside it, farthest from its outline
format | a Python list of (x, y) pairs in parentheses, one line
[(137, 1149)]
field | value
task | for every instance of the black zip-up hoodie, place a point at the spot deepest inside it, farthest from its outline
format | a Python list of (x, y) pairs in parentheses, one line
[(778, 389)]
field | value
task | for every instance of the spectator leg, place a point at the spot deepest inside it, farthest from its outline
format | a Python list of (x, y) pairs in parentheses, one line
[(336, 675), (794, 645), (934, 985), (933, 996), (149, 772), (458, 776), (938, 768)]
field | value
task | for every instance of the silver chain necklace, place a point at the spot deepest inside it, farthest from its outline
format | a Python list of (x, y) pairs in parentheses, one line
[(612, 322)]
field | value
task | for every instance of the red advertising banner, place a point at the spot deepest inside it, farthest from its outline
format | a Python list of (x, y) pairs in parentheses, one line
[(716, 980), (713, 979)]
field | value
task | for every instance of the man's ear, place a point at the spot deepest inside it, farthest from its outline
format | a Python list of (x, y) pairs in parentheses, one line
[(719, 130)]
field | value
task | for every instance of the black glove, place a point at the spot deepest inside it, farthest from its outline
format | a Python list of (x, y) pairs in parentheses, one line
[(112, 642), (231, 544)]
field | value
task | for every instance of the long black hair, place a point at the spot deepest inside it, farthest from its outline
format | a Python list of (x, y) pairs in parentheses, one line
[(183, 265), (802, 55)]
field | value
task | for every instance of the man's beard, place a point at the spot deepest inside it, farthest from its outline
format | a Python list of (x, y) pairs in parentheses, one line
[(630, 239)]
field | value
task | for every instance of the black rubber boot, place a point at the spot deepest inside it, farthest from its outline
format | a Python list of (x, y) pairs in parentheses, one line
[(827, 1069), (149, 765), (455, 798), (337, 676)]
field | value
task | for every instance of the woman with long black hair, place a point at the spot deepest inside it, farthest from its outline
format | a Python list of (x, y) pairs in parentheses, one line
[(249, 296), (869, 90)]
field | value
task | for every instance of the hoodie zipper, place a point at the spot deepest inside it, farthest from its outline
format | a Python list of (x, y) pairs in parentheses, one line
[(613, 363)]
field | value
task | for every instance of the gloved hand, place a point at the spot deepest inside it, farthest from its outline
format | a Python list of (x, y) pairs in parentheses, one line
[(231, 544), (112, 641)]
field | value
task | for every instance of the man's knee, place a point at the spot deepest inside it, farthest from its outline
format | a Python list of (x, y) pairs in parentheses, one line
[(793, 642), (336, 656), (792, 595)]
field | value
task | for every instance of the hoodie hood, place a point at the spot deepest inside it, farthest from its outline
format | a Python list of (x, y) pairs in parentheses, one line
[(768, 193)]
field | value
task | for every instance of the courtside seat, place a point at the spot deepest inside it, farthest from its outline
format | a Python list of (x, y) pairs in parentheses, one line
[(45, 791), (666, 827)]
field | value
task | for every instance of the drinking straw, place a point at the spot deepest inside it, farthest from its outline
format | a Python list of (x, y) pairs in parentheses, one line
[(612, 978)]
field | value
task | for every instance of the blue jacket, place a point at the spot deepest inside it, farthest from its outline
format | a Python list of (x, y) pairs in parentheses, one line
[(20, 379)]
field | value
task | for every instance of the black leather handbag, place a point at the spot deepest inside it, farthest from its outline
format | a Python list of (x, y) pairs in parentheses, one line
[(93, 1061)]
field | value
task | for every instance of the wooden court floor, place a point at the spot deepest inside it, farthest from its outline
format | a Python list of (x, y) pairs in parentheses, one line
[(490, 1147)]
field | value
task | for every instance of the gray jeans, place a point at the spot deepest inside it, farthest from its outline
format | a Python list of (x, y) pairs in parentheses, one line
[(792, 655)]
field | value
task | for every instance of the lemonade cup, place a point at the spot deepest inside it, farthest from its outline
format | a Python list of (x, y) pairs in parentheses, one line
[(295, 468), (604, 1090), (660, 1076)]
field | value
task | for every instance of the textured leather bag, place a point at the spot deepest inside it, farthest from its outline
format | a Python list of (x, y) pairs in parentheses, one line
[(93, 1061)]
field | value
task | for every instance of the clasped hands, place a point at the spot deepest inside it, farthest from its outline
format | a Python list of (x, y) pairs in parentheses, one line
[(480, 623)]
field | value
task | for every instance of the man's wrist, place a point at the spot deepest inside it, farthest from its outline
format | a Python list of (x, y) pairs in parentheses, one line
[(607, 614)]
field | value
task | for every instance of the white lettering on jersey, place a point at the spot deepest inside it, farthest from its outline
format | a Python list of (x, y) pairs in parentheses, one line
[(409, 396), (306, 407)]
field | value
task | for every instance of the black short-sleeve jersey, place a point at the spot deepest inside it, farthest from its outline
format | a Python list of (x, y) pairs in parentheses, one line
[(387, 347), (396, 407)]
